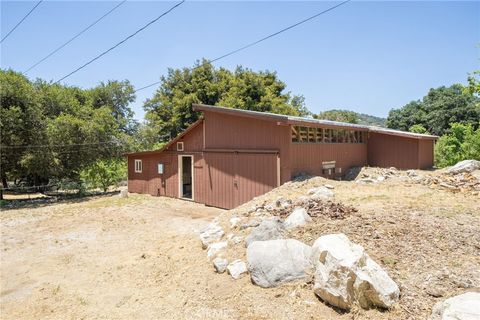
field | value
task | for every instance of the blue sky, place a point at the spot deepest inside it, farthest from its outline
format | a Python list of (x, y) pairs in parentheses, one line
[(364, 56)]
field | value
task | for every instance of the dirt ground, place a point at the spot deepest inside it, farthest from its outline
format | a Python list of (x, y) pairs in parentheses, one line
[(140, 257)]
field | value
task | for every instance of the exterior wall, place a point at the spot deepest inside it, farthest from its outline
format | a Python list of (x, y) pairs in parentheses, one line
[(393, 151), (425, 154), (308, 157), (232, 179), (224, 131), (166, 184)]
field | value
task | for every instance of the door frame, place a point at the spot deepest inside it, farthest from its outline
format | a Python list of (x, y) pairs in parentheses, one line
[(180, 177)]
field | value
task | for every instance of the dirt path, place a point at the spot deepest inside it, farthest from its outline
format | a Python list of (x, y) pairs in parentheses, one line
[(135, 258), (140, 257)]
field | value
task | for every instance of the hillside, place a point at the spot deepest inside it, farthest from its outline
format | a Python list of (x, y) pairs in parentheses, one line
[(370, 120), (343, 115)]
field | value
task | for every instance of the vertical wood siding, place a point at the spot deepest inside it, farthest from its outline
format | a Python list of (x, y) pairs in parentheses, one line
[(231, 132), (236, 178), (425, 154), (308, 158), (392, 151)]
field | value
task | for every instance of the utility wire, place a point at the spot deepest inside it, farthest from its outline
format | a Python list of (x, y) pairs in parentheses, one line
[(20, 22), (121, 42), (56, 145), (261, 40), (75, 36)]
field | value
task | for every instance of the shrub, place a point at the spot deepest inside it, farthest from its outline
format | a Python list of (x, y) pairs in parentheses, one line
[(104, 173), (460, 143)]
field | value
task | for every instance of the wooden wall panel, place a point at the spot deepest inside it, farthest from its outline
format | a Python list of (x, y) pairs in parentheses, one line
[(308, 157), (392, 151), (425, 154)]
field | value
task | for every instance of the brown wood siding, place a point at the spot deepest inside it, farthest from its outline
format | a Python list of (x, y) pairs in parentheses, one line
[(308, 157), (235, 178), (223, 131), (193, 141), (425, 154), (392, 151)]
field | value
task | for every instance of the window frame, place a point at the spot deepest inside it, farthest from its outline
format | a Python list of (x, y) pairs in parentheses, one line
[(138, 166), (162, 166), (180, 143)]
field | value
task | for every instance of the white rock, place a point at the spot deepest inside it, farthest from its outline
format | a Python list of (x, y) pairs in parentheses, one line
[(345, 273), (380, 178), (269, 229), (464, 166), (366, 180), (298, 217), (220, 264), (213, 232), (328, 186), (411, 173), (321, 193), (123, 193), (237, 268), (462, 307), (274, 262), (234, 222), (215, 248)]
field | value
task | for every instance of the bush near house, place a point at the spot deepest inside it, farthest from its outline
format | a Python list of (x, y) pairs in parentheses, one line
[(461, 143), (104, 173)]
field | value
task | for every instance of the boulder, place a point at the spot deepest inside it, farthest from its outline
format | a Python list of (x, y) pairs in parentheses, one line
[(220, 264), (274, 262), (298, 217), (344, 273), (123, 193), (215, 248), (269, 229), (213, 232), (464, 166), (321, 193), (236, 269), (462, 307)]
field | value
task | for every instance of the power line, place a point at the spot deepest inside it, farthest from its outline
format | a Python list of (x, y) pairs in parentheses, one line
[(75, 36), (20, 22), (57, 145), (121, 42), (261, 40)]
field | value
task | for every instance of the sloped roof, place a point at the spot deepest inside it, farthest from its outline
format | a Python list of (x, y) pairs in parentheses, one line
[(286, 119)]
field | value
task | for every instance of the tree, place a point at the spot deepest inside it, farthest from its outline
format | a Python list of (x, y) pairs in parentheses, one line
[(104, 173), (418, 128), (169, 111), (461, 143), (437, 110), (51, 131), (339, 115)]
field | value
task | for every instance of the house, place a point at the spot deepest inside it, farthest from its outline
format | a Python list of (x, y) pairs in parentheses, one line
[(230, 156)]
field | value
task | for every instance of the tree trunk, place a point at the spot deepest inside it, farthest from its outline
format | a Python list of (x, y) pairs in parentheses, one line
[(4, 182)]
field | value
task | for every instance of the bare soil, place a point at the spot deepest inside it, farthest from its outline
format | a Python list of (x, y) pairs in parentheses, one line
[(140, 257)]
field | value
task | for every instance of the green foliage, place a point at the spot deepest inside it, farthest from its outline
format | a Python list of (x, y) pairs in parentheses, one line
[(169, 111), (339, 115), (437, 110), (351, 117), (460, 143), (418, 128), (104, 173), (50, 131), (370, 120)]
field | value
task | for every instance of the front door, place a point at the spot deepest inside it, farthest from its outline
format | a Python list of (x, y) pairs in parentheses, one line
[(185, 175)]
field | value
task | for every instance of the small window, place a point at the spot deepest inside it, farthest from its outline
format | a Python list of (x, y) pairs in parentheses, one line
[(179, 146), (138, 166), (160, 168)]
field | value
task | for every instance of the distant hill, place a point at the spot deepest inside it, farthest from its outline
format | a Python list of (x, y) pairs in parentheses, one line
[(367, 119), (351, 117)]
